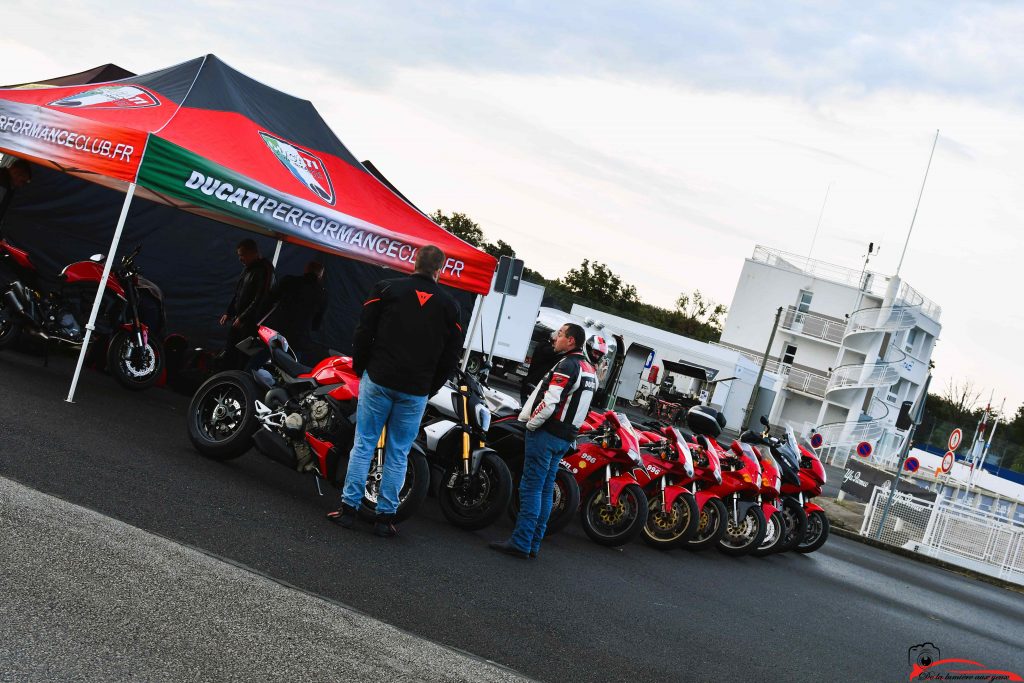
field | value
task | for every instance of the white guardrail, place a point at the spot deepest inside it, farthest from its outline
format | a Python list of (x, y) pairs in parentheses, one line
[(954, 533)]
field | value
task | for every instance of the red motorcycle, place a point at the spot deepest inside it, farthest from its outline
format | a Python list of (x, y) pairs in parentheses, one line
[(614, 505), (811, 478), (789, 504), (740, 487), (673, 514), (771, 503), (301, 417), (130, 316)]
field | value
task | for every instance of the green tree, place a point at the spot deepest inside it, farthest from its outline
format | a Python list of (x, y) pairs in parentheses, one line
[(460, 225), (703, 310), (597, 282)]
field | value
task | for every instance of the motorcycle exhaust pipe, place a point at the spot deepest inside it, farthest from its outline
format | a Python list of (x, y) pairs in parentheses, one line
[(275, 447), (11, 301)]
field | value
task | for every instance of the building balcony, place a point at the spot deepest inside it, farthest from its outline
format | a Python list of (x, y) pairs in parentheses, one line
[(862, 376), (813, 325)]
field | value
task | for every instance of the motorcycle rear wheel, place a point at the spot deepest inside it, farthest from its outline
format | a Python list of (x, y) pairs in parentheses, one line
[(468, 511), (816, 534), (133, 367), (222, 416), (710, 526), (566, 502), (774, 536), (744, 535), (667, 530), (410, 496), (618, 525)]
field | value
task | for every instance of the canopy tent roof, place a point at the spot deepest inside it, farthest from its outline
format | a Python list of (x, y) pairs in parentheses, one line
[(207, 139), (97, 74)]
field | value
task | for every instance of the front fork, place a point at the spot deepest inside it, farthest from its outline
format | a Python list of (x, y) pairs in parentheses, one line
[(378, 455), (664, 499)]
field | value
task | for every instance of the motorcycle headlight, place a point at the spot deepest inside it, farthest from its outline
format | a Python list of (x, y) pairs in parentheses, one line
[(483, 417)]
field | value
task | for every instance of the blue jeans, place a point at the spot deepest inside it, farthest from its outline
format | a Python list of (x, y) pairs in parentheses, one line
[(536, 489), (402, 414)]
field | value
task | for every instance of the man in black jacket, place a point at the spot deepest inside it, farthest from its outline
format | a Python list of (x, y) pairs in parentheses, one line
[(249, 303), (297, 307), (406, 346), (14, 176)]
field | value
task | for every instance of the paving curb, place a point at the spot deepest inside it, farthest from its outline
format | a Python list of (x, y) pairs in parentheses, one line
[(854, 536)]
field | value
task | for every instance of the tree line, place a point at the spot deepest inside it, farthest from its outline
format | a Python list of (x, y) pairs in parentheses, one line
[(595, 285)]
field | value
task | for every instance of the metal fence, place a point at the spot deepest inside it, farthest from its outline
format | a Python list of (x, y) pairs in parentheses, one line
[(964, 536)]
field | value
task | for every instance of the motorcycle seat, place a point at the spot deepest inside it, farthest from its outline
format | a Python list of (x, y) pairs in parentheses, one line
[(289, 365)]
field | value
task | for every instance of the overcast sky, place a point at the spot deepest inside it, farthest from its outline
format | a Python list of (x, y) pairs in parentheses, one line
[(665, 139)]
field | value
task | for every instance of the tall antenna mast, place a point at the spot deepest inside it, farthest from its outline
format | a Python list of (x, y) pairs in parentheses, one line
[(918, 205), (818, 226)]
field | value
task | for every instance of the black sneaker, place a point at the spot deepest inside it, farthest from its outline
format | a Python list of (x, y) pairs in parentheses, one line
[(509, 549), (344, 516), (384, 526)]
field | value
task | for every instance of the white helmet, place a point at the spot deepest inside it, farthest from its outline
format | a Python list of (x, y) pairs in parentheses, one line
[(596, 348)]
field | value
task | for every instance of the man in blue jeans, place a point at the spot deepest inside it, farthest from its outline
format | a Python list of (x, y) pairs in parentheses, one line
[(553, 414), (406, 346)]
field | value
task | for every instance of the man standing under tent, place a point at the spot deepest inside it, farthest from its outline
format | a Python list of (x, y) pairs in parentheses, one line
[(406, 346), (297, 305), (14, 176), (249, 302)]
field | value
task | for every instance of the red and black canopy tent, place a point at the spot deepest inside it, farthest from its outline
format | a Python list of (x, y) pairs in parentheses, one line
[(209, 140)]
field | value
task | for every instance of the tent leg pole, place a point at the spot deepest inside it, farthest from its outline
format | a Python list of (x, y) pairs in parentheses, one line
[(277, 254), (91, 325), (477, 311)]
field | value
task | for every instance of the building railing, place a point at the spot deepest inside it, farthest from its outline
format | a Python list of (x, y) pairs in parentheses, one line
[(862, 376), (884, 319), (812, 325), (868, 281), (807, 382)]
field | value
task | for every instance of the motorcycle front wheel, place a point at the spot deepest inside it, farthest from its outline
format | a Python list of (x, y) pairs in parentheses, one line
[(476, 501), (410, 496), (10, 326), (222, 415), (816, 534), (565, 503), (745, 534), (614, 525), (796, 524), (774, 536), (134, 367), (665, 529), (710, 525)]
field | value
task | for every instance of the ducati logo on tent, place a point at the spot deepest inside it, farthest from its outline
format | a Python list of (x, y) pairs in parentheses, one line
[(109, 97), (307, 168)]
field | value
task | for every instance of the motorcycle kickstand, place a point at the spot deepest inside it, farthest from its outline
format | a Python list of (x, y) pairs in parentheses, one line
[(319, 490)]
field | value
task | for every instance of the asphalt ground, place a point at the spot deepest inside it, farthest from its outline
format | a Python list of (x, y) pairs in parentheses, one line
[(578, 613)]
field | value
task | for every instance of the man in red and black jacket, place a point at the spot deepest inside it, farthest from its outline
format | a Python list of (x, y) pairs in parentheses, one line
[(406, 346), (553, 415)]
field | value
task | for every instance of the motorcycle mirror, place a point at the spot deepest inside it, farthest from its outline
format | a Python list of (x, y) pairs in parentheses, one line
[(764, 420), (97, 258)]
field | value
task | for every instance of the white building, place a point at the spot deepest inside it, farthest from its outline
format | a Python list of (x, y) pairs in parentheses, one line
[(727, 375), (851, 346)]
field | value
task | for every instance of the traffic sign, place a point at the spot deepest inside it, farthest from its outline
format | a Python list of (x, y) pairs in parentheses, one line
[(955, 437), (947, 461), (817, 440), (864, 449), (912, 464)]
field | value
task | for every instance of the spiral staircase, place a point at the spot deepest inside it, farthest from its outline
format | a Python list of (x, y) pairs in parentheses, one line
[(847, 385)]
